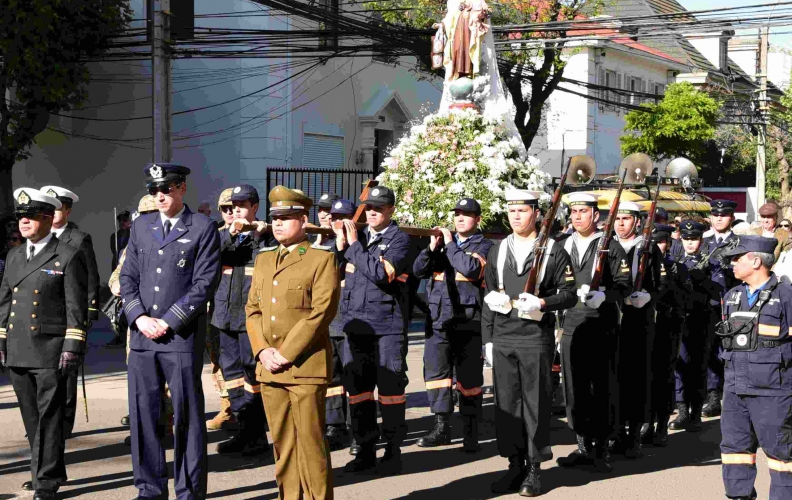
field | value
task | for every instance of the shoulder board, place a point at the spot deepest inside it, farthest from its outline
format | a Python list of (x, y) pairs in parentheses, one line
[(268, 249), (321, 247)]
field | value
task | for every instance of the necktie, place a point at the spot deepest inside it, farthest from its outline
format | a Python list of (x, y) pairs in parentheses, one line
[(281, 255), (241, 238), (167, 227), (719, 240), (32, 253)]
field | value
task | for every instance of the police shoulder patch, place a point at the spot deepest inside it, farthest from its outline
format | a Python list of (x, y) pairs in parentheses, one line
[(321, 247), (268, 249)]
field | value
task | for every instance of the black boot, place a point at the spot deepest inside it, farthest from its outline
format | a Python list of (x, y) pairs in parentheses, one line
[(647, 433), (337, 437), (365, 460), (580, 457), (682, 419), (694, 425), (661, 433), (234, 445), (440, 435), (354, 448), (601, 459), (712, 407), (510, 481), (634, 447), (532, 486), (470, 442), (621, 443), (390, 463)]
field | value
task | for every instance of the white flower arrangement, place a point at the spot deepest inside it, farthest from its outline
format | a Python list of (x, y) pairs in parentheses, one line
[(453, 155)]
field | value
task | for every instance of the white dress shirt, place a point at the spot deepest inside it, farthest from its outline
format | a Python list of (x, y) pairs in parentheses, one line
[(173, 220), (38, 246), (57, 232)]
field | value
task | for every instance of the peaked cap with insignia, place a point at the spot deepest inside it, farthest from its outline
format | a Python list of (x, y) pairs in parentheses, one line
[(32, 201), (162, 174), (285, 201), (722, 207), (327, 200), (66, 197), (690, 229)]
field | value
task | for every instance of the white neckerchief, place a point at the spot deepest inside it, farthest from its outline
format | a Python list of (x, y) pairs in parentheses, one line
[(629, 245), (38, 246), (503, 251), (521, 250), (582, 244), (173, 220)]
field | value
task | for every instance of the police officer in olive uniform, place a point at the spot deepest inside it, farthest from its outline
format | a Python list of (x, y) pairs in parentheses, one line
[(374, 307), (690, 369), (589, 340), (454, 266), (293, 299), (43, 313), (337, 408), (66, 233), (171, 267), (238, 249), (721, 220), (517, 331), (757, 391)]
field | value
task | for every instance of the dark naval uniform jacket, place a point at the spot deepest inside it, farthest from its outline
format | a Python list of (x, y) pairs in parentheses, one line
[(170, 278), (374, 299), (721, 275), (82, 241), (43, 305), (456, 279), (237, 258)]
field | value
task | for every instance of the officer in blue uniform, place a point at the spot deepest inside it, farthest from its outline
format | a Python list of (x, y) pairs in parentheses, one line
[(171, 268), (757, 399), (239, 246), (721, 220), (374, 307), (690, 369), (454, 266), (336, 406)]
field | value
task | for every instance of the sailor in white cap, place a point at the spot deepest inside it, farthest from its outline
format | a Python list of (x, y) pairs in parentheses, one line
[(636, 337), (68, 233), (517, 332), (589, 337)]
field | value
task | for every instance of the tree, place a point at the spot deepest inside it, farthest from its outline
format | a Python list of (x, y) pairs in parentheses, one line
[(679, 125), (542, 65), (44, 47)]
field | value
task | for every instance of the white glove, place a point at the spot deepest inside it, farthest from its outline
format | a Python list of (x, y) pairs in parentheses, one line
[(498, 302), (594, 299), (582, 292), (528, 303), (640, 299), (488, 352)]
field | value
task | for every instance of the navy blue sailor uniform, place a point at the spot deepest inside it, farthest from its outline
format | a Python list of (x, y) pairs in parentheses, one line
[(523, 349), (169, 277), (374, 307), (453, 341), (757, 404), (237, 362)]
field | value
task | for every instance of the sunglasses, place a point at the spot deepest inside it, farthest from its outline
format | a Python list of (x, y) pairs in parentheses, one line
[(162, 189), (227, 209), (785, 226), (31, 216)]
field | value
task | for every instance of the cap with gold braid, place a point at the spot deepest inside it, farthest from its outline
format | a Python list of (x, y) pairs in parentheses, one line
[(285, 201), (31, 201)]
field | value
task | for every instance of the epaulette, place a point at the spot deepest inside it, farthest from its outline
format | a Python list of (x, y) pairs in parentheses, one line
[(321, 247), (268, 249)]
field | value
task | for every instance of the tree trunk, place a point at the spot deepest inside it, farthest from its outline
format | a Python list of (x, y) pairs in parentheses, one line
[(6, 188), (783, 176)]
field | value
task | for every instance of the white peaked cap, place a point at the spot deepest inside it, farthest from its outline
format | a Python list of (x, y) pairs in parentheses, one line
[(522, 197), (59, 191), (583, 199), (29, 197), (629, 207)]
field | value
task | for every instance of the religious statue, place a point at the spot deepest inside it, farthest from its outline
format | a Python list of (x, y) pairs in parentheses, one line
[(462, 30)]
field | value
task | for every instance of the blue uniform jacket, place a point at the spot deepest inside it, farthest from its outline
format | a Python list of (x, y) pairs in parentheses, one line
[(456, 277), (374, 297), (722, 276), (762, 372), (170, 278), (237, 259)]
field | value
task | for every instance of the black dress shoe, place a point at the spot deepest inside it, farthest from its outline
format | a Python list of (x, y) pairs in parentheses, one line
[(27, 486), (44, 495)]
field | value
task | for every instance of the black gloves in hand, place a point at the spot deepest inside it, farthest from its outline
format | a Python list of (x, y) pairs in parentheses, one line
[(69, 362), (2, 361)]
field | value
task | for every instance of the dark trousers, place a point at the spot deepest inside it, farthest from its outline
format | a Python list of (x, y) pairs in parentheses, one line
[(70, 410), (748, 422), (374, 362), (455, 350), (523, 400), (690, 371), (41, 393), (634, 354), (665, 350), (148, 372), (336, 403), (588, 366), (239, 374), (714, 362)]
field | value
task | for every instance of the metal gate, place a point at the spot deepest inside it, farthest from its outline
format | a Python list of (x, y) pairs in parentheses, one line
[(314, 182)]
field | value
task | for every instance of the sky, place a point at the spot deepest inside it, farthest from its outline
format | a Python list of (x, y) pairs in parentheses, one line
[(782, 38)]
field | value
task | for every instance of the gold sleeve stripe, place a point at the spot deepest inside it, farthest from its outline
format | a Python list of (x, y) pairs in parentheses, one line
[(769, 330), (335, 391), (3, 330), (739, 459), (438, 384), (78, 338), (778, 465)]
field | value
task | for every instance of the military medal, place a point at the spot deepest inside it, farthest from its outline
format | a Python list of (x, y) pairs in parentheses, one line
[(181, 263)]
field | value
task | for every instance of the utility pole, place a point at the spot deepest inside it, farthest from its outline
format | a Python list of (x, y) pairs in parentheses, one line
[(161, 81), (764, 35)]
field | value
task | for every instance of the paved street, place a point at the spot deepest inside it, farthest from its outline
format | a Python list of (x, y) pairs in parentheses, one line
[(99, 464)]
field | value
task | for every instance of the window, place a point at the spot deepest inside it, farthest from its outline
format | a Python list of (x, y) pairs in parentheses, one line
[(322, 151), (612, 80), (658, 90)]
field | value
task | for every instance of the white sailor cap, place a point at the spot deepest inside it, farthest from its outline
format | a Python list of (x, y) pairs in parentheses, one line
[(585, 199), (29, 200), (66, 197), (629, 208), (522, 197)]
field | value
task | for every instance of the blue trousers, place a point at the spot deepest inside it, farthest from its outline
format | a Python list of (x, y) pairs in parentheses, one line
[(690, 369), (748, 422), (455, 350), (336, 412), (148, 372)]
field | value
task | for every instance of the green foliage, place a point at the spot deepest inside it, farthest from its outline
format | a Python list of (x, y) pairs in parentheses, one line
[(679, 125), (44, 47)]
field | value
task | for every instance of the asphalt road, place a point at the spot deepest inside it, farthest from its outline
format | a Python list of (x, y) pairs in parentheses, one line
[(99, 465)]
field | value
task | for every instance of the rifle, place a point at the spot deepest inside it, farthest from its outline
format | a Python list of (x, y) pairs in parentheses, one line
[(647, 242), (604, 242)]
